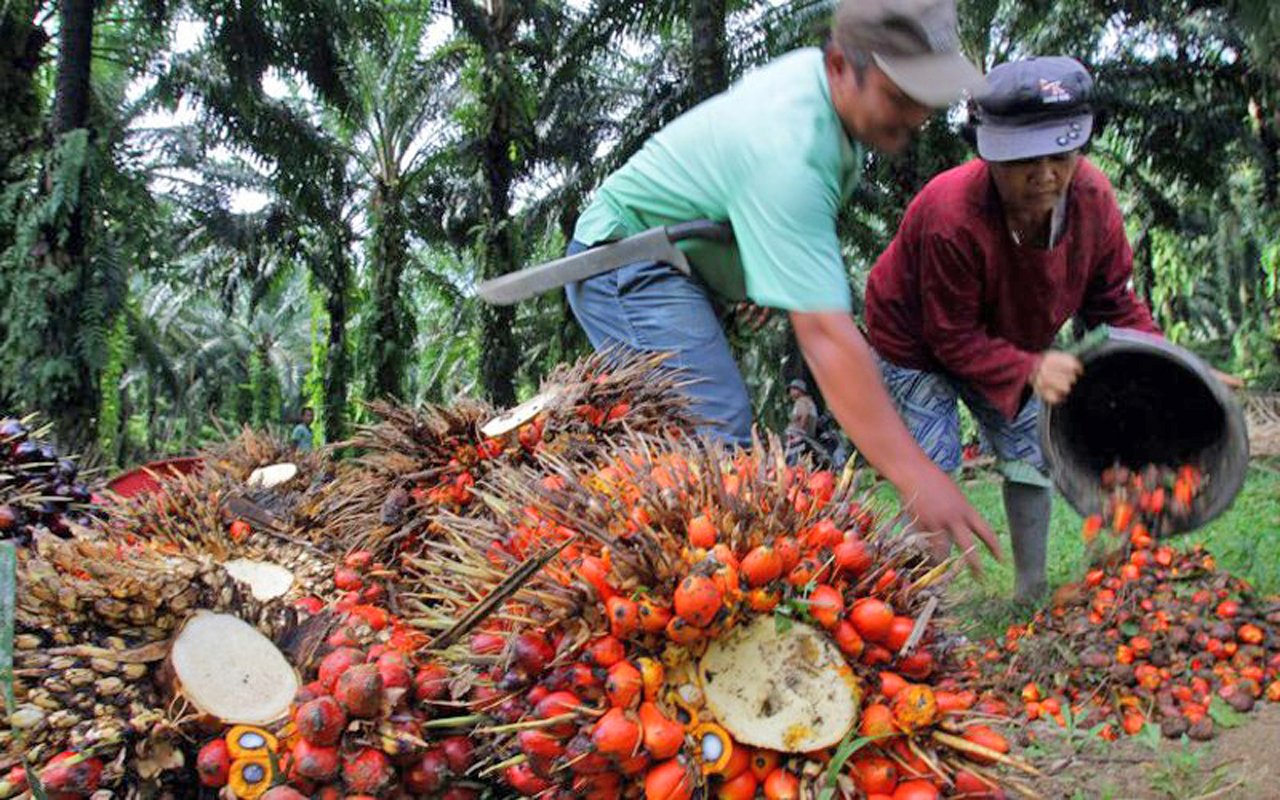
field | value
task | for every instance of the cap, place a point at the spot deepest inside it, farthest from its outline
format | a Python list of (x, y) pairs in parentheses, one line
[(798, 383), (914, 42), (1034, 107)]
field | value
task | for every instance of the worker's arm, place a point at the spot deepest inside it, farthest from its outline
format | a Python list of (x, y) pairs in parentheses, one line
[(842, 363)]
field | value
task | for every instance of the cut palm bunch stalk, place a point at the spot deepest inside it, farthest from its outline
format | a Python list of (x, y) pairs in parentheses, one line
[(696, 621), (38, 488), (418, 462), (1154, 634), (122, 645), (273, 475)]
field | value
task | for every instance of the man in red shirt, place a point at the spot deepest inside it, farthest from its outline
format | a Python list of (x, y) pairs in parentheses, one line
[(991, 259)]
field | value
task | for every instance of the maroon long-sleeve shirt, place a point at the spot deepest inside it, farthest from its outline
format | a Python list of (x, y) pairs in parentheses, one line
[(954, 293)]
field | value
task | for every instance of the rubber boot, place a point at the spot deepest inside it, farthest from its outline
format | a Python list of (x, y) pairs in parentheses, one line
[(1028, 508)]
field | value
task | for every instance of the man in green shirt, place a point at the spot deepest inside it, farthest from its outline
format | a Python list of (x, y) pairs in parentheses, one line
[(776, 156)]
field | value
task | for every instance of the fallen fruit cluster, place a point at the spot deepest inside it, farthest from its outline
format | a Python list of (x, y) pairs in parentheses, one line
[(1154, 634)]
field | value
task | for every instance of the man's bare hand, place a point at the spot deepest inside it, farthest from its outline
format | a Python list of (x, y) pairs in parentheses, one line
[(750, 317), (1054, 376), (941, 508)]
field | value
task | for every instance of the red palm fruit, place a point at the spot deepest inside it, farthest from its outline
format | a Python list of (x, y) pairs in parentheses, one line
[(522, 778), (315, 762), (635, 764), (581, 756), (669, 780), (359, 690), (536, 742), (485, 643), (916, 790), (917, 666), (851, 556), (788, 550), (984, 736), (738, 763), (826, 605), (874, 655), (616, 734), (702, 532), (763, 762), (681, 631), (847, 639), (873, 618), (397, 682), (697, 600), (336, 663), (891, 683), (663, 737), (875, 775), (282, 793), (781, 785), (452, 793), (623, 685), (367, 771), (606, 651), (460, 753), (429, 774), (899, 631), (532, 652), (359, 560), (603, 785), (321, 721), (240, 530), (761, 565), (824, 534), (763, 600), (740, 787), (558, 704), (624, 616), (69, 775), (595, 571), (877, 721), (821, 485), (347, 579), (653, 617), (213, 763)]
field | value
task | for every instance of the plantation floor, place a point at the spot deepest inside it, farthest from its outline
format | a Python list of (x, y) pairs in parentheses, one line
[(1240, 763)]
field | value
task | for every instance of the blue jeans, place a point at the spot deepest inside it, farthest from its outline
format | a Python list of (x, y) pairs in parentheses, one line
[(653, 307), (929, 405)]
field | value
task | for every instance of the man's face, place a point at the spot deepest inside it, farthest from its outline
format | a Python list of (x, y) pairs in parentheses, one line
[(1034, 185), (308, 416), (875, 112)]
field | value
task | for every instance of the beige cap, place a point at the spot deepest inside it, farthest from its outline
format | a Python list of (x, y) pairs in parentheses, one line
[(914, 42)]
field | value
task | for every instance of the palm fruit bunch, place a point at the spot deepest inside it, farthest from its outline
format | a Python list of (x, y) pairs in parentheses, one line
[(241, 459), (102, 627), (679, 621), (372, 719), (208, 513), (1153, 635), (38, 489), (417, 462)]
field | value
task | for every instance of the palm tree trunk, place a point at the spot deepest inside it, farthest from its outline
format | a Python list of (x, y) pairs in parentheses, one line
[(338, 374), (390, 327), (710, 73), (497, 244)]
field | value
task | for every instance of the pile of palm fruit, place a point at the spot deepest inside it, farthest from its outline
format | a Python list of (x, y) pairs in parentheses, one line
[(38, 488), (578, 598), (1153, 635)]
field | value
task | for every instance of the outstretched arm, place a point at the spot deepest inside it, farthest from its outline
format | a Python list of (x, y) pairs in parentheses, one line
[(842, 362)]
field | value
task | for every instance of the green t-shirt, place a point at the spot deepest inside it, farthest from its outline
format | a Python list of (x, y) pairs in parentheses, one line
[(301, 437), (771, 157)]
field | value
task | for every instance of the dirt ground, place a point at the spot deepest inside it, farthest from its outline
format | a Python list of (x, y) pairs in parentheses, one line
[(1242, 762)]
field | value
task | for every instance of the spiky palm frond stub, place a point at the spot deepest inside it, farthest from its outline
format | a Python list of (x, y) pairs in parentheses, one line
[(420, 462), (668, 548)]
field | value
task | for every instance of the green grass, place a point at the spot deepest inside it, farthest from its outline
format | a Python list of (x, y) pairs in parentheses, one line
[(1245, 540)]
